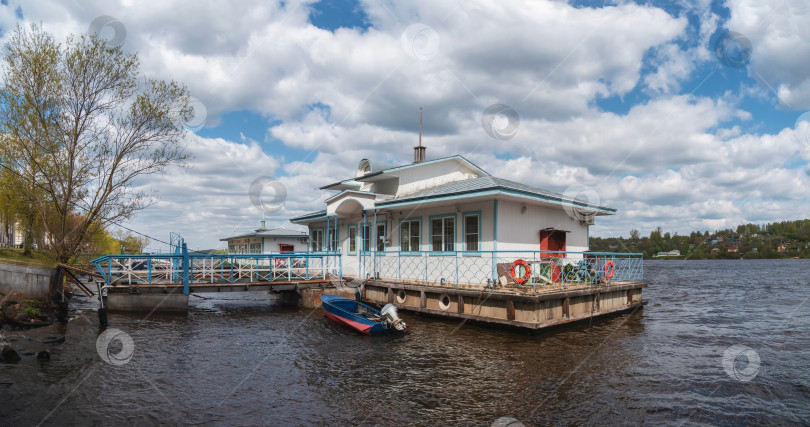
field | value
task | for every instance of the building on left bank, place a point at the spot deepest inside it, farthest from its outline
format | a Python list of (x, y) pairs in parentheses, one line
[(10, 234), (265, 240)]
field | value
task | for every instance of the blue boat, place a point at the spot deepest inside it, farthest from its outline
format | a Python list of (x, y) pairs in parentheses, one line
[(362, 317)]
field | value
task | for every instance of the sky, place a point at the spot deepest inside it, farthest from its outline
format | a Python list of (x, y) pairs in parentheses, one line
[(689, 115)]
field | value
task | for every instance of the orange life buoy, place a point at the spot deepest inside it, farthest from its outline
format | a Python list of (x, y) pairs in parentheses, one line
[(609, 269), (526, 268), (280, 262)]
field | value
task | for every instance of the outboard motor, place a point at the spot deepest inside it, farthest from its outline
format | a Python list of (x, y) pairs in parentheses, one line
[(390, 317)]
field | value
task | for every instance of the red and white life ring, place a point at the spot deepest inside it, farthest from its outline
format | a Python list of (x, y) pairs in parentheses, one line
[(527, 271), (609, 269)]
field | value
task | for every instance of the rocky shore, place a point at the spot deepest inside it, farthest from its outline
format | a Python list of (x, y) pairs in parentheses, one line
[(25, 313)]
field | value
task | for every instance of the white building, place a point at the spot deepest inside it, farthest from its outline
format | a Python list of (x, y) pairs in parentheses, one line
[(268, 241), (10, 234), (446, 207)]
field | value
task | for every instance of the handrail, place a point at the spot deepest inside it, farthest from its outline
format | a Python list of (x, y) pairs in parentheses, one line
[(186, 268), (490, 268)]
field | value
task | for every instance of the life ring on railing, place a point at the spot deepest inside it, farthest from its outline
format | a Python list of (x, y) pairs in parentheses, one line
[(609, 269), (280, 262), (528, 271)]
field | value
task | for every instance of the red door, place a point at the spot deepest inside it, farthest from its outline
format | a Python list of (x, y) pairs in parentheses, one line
[(552, 240)]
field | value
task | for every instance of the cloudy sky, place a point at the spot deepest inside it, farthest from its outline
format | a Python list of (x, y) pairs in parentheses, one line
[(683, 114)]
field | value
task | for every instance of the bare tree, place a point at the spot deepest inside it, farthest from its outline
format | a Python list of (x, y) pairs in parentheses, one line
[(82, 126)]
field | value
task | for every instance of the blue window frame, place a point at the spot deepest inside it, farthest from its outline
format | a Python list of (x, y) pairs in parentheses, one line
[(410, 234), (471, 230), (443, 233)]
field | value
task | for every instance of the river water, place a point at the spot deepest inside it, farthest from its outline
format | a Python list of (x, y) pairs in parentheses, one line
[(720, 342)]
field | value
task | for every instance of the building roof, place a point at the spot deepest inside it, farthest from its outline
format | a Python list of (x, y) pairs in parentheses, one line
[(312, 215), (378, 169), (487, 184), (271, 232)]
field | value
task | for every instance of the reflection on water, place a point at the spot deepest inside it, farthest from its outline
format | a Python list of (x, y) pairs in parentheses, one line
[(241, 359)]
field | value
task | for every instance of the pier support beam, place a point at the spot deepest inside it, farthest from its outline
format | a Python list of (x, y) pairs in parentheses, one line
[(171, 302)]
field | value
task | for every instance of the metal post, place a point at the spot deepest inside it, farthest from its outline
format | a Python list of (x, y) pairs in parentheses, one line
[(494, 241), (374, 233), (186, 268)]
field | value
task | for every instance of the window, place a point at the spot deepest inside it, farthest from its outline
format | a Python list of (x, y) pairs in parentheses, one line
[(472, 231), (352, 239), (380, 237), (231, 249), (409, 237), (255, 248), (331, 243), (366, 237), (317, 240), (443, 233)]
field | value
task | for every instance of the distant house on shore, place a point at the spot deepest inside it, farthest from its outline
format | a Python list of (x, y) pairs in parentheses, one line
[(733, 249), (266, 241), (673, 252)]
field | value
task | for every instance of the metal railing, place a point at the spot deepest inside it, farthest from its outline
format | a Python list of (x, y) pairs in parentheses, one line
[(489, 268), (185, 268)]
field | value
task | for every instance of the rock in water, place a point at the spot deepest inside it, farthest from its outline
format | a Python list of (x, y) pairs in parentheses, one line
[(56, 339), (9, 355), (44, 355)]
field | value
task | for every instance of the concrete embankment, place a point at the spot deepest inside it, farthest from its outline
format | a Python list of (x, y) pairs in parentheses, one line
[(29, 281)]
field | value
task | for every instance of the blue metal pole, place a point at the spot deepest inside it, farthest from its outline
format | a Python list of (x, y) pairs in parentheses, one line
[(186, 268), (374, 265)]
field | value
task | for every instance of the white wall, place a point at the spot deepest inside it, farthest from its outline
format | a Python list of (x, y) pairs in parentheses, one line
[(423, 177), (271, 244), (520, 231)]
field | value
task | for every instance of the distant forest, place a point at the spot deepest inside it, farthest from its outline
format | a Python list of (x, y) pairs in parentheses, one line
[(786, 239)]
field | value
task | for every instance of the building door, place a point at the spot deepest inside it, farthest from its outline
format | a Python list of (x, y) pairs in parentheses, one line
[(552, 240), (287, 249)]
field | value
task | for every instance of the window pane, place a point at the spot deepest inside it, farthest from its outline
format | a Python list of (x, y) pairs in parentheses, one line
[(403, 237), (413, 236), (352, 239), (471, 235), (380, 237), (436, 235), (449, 233), (366, 237)]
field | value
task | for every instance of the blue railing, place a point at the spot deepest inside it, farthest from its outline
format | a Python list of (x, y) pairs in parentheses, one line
[(490, 269), (186, 268)]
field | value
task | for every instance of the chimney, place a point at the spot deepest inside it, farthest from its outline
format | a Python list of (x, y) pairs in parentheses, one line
[(264, 226), (419, 151)]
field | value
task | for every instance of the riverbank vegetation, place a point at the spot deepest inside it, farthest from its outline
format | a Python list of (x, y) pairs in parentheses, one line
[(78, 124), (787, 239)]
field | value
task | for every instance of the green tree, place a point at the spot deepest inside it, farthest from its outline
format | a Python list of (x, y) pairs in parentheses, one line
[(82, 129)]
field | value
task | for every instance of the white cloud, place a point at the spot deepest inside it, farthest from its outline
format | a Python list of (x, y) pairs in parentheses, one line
[(780, 40), (674, 160)]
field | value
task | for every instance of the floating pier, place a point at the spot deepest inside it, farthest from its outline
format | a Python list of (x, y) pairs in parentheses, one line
[(524, 289), (549, 307)]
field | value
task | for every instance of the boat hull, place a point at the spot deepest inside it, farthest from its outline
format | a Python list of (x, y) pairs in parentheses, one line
[(347, 311)]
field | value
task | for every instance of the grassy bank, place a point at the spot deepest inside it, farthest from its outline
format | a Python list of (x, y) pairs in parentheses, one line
[(37, 258)]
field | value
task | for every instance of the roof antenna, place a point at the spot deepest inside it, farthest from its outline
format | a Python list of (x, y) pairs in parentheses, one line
[(419, 151)]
